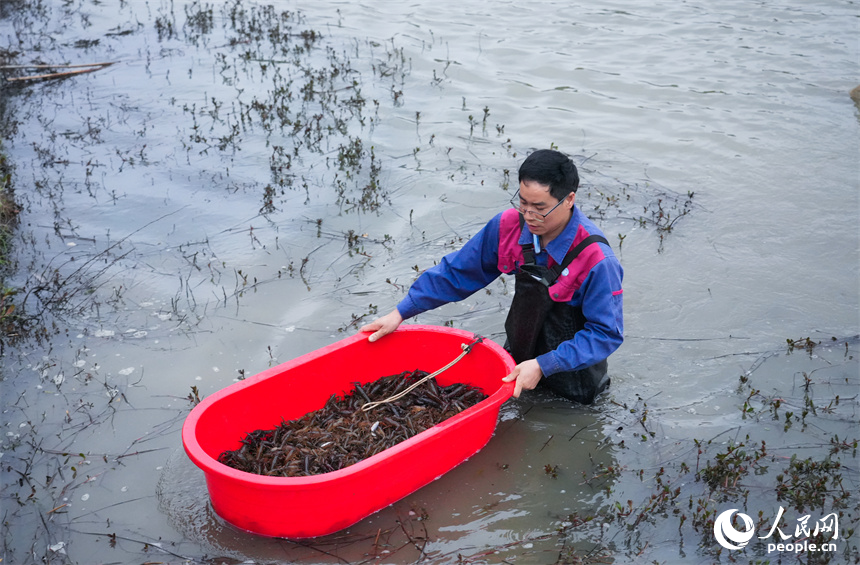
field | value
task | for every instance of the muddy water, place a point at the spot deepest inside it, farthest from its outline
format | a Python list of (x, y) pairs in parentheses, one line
[(244, 185)]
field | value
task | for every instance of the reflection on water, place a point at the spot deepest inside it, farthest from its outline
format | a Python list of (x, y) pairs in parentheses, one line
[(514, 495), (247, 183)]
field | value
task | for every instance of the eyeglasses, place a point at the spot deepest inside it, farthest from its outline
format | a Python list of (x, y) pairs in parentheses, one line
[(515, 202)]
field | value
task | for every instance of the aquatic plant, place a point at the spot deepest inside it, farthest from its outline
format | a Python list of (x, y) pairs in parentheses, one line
[(304, 104), (8, 210), (10, 322), (778, 481)]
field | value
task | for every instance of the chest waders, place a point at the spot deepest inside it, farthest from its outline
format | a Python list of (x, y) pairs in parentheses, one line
[(536, 324)]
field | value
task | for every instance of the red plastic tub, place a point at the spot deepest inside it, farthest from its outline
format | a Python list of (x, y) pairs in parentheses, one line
[(303, 507)]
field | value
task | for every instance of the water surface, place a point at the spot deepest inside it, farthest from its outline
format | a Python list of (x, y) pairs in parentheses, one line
[(246, 184)]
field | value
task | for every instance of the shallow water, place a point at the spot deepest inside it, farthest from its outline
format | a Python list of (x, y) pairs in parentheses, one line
[(205, 237)]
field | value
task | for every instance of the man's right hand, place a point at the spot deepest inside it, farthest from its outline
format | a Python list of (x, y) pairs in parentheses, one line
[(526, 374), (383, 326)]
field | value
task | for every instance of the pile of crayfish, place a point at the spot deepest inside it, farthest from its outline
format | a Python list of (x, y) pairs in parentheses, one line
[(342, 434)]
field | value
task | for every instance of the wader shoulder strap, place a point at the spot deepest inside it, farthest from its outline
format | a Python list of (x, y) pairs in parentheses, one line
[(573, 253)]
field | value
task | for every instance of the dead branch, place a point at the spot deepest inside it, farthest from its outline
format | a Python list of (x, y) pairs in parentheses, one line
[(11, 67), (76, 70)]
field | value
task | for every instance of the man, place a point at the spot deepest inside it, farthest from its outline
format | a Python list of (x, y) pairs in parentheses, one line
[(566, 315)]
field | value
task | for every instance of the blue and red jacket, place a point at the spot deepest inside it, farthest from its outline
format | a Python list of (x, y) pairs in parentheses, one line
[(592, 282)]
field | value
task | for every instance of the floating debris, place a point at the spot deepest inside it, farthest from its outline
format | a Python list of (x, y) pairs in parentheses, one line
[(341, 434)]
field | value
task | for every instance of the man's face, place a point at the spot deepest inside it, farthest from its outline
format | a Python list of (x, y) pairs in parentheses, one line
[(536, 201)]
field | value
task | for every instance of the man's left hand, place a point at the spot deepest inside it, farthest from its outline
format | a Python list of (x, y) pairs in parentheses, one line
[(527, 374)]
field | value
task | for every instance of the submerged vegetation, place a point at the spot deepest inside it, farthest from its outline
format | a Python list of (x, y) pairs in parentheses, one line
[(8, 219), (288, 130), (800, 486), (281, 91)]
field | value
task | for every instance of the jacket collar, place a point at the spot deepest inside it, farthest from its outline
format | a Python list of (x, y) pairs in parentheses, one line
[(558, 247)]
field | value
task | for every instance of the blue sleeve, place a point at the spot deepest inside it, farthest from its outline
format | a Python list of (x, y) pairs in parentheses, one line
[(601, 302), (458, 274)]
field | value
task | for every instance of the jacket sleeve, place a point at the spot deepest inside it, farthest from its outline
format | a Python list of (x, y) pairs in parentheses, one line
[(601, 301), (458, 274)]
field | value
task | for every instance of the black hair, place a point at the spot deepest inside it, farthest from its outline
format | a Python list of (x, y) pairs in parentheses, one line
[(551, 168)]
